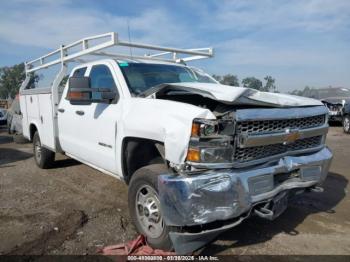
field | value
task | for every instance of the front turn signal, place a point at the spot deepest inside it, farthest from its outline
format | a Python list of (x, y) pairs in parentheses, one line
[(193, 155), (195, 130)]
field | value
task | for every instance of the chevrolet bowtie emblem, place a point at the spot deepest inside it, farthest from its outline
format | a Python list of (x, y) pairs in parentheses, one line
[(291, 136)]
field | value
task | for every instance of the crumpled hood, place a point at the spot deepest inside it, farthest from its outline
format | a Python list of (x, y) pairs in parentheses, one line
[(236, 95)]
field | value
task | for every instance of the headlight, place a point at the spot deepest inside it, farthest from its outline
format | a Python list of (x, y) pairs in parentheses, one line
[(204, 127), (207, 146), (216, 155)]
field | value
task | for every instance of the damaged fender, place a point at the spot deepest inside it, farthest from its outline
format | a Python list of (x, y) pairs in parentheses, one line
[(165, 121)]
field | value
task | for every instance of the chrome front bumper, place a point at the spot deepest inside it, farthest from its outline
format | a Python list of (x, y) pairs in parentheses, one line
[(226, 194)]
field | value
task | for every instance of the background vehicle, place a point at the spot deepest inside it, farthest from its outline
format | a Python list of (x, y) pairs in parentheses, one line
[(334, 98), (3, 116), (14, 122), (14, 117), (199, 157), (346, 116)]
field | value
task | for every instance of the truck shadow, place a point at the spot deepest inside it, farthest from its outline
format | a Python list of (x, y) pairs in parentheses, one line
[(62, 163), (5, 139), (334, 123), (257, 230), (10, 155)]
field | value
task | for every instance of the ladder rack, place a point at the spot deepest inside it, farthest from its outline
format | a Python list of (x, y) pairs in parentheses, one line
[(86, 46)]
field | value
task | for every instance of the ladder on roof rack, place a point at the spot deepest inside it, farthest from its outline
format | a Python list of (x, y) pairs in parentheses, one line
[(87, 47)]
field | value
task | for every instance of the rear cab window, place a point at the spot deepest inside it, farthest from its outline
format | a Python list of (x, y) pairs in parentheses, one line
[(80, 72)]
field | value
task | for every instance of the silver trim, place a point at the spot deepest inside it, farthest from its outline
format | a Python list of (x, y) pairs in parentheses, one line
[(252, 140)]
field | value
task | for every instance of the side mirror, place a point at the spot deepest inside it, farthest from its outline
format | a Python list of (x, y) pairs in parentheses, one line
[(103, 95), (79, 89), (108, 95)]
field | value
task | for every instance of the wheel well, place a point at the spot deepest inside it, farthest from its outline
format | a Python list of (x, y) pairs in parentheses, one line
[(32, 130), (139, 152)]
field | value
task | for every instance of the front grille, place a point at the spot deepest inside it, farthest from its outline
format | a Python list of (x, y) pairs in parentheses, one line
[(274, 126), (253, 153)]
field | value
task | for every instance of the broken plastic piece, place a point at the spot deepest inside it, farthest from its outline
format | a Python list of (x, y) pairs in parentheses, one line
[(137, 246)]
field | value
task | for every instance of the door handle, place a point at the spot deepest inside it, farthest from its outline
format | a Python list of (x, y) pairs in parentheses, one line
[(61, 110), (79, 112)]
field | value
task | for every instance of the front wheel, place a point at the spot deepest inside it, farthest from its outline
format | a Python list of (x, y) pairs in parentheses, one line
[(346, 124), (44, 157), (144, 206)]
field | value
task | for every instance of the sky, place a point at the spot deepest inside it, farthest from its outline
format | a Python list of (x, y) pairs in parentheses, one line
[(298, 42)]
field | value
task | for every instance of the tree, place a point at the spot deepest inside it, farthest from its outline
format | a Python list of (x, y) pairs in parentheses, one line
[(230, 80), (11, 79), (252, 82), (307, 92), (270, 84), (217, 78)]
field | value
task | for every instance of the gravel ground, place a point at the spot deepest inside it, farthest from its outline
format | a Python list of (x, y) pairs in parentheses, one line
[(74, 209)]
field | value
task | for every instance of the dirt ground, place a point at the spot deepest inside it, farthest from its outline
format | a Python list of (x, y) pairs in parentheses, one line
[(74, 209)]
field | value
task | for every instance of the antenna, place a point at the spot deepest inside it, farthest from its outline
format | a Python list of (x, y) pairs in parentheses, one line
[(129, 36)]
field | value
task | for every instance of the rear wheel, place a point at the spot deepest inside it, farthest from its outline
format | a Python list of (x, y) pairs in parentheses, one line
[(44, 157), (144, 206), (346, 124)]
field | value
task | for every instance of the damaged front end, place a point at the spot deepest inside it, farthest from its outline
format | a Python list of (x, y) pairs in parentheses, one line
[(335, 109), (248, 162)]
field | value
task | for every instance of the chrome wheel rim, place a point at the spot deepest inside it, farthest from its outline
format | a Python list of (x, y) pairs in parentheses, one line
[(346, 124), (37, 151), (148, 212)]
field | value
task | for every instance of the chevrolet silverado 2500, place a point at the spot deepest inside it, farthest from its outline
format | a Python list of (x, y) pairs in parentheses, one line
[(198, 157)]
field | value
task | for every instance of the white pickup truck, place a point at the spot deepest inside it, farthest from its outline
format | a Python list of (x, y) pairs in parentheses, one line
[(199, 157)]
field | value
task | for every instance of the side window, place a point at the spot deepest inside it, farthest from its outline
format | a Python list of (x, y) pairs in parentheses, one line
[(79, 72)]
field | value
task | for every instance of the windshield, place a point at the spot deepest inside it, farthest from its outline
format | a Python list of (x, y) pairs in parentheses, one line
[(142, 76)]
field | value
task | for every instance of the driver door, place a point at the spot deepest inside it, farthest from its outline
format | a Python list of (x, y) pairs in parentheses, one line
[(90, 132)]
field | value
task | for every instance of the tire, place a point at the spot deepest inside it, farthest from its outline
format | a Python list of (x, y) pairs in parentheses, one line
[(43, 157), (346, 124), (145, 182)]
